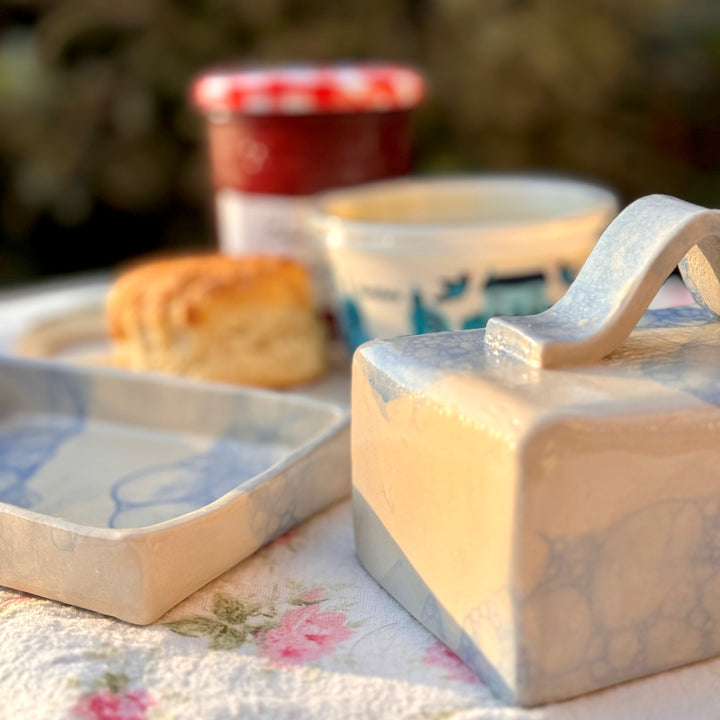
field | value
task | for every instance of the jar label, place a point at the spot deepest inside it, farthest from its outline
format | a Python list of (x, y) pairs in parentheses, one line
[(254, 223), (257, 223)]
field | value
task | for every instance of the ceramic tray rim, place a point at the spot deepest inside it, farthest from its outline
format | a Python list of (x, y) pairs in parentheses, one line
[(336, 424)]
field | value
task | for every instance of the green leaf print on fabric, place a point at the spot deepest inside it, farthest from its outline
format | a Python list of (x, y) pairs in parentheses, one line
[(231, 626), (115, 682), (230, 610), (221, 635), (298, 632)]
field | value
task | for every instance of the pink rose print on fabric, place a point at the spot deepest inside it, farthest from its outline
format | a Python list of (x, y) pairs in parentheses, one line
[(305, 633), (113, 704), (286, 538), (441, 656), (284, 636)]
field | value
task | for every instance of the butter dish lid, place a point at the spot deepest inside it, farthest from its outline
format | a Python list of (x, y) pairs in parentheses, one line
[(595, 353)]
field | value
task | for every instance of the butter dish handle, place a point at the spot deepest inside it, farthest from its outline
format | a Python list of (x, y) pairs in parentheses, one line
[(629, 264)]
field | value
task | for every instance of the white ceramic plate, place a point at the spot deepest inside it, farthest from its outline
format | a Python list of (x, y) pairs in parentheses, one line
[(124, 493), (76, 334)]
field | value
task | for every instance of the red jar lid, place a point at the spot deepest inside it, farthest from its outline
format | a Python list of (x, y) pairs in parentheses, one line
[(308, 89)]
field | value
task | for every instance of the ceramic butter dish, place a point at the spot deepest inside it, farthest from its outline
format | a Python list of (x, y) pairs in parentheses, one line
[(544, 495), (124, 493)]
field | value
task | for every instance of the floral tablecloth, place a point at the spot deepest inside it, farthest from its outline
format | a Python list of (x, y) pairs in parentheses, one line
[(298, 630)]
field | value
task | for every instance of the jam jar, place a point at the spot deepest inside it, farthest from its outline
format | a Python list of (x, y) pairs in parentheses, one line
[(276, 135)]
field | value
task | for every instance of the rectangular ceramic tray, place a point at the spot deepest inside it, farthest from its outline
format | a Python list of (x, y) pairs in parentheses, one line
[(125, 493)]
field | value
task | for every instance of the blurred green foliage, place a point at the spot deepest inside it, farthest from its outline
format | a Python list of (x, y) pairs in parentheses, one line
[(102, 157)]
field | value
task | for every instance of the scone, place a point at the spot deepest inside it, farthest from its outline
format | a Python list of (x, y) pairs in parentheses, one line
[(247, 320)]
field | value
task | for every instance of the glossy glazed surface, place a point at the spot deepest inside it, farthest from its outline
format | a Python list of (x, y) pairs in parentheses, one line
[(629, 264), (426, 255), (123, 493), (556, 528)]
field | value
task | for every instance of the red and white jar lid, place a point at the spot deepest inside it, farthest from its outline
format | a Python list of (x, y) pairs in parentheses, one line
[(308, 89)]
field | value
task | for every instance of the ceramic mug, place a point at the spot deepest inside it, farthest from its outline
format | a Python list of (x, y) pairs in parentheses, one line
[(420, 255)]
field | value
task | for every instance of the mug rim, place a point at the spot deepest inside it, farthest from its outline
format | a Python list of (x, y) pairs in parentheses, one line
[(593, 203)]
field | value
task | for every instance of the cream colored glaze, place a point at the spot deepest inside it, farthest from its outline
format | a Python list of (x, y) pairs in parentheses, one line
[(567, 521), (417, 467)]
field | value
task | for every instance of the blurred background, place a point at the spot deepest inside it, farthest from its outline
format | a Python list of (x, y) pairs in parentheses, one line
[(102, 157)]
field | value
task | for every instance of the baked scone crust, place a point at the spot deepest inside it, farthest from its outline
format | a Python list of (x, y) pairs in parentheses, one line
[(248, 320)]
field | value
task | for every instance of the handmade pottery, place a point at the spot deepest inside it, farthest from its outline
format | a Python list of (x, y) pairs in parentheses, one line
[(124, 493), (446, 253), (545, 495)]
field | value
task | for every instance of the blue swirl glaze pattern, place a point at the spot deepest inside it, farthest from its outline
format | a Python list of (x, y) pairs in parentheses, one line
[(159, 492), (32, 439)]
